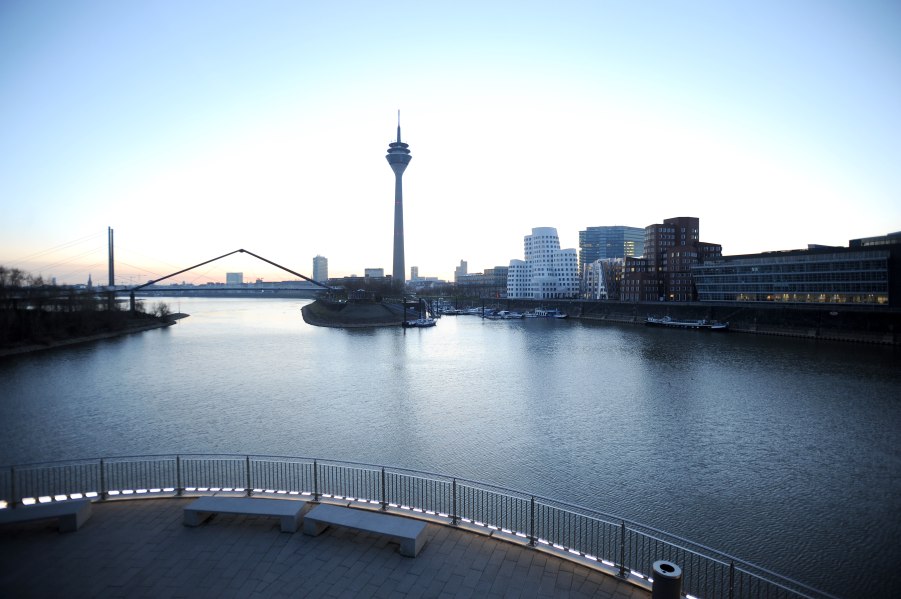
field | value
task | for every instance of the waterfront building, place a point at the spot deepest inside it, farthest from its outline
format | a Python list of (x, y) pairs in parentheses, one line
[(489, 284), (602, 279), (671, 250), (374, 273), (320, 269), (414, 273), (234, 278), (866, 272), (460, 270), (398, 157), (600, 243), (547, 272)]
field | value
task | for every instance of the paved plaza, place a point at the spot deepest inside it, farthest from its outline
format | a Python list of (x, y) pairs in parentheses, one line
[(140, 548)]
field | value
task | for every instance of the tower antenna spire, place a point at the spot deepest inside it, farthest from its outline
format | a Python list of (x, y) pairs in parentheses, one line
[(398, 125)]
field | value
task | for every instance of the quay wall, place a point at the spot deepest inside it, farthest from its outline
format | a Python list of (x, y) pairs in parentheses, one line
[(835, 322)]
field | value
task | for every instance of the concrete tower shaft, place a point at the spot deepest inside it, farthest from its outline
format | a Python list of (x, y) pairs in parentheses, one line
[(398, 157)]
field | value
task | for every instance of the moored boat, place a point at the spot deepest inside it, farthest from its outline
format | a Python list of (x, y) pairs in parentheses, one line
[(419, 323), (666, 321)]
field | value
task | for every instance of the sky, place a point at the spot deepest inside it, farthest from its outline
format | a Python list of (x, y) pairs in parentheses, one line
[(197, 128)]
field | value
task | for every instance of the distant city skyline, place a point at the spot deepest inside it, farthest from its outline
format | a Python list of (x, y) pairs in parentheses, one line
[(196, 129)]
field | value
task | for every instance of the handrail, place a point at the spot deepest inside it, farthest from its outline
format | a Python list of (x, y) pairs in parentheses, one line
[(625, 547)]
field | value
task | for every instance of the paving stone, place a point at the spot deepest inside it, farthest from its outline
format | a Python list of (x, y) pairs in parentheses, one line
[(140, 548)]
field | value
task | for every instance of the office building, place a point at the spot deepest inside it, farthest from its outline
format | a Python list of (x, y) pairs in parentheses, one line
[(601, 243), (234, 278), (868, 272), (547, 272), (320, 269)]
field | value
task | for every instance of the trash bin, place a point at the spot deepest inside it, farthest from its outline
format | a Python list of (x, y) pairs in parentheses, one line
[(667, 580)]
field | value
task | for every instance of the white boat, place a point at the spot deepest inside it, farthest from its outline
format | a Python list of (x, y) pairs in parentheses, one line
[(549, 313), (666, 321), (419, 323)]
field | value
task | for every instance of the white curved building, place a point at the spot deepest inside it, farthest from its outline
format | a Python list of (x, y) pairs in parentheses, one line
[(547, 271)]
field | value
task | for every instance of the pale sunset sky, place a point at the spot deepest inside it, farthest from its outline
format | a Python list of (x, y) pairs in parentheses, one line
[(197, 128)]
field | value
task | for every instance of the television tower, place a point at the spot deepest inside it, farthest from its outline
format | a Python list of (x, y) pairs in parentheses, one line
[(398, 157)]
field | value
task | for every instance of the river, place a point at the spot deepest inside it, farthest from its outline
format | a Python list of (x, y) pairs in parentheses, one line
[(783, 452)]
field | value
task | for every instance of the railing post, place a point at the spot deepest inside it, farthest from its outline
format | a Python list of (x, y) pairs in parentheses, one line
[(315, 481), (249, 488), (179, 490), (454, 503), (12, 487), (532, 536), (731, 580), (103, 489), (384, 502), (623, 570)]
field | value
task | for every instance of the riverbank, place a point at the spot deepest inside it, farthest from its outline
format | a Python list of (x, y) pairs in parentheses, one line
[(138, 326)]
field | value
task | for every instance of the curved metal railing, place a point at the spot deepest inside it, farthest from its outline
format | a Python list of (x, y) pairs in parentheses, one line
[(620, 547)]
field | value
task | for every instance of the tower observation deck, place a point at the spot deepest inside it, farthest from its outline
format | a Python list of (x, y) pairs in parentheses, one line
[(398, 157)]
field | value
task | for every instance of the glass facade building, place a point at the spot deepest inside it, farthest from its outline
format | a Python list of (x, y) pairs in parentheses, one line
[(601, 243), (822, 276)]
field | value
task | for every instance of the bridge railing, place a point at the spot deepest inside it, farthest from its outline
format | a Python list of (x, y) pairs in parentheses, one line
[(618, 546)]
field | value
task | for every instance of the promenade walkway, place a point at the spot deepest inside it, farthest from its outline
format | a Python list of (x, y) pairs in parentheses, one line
[(139, 548)]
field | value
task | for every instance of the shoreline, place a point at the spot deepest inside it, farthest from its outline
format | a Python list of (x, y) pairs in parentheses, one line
[(57, 343)]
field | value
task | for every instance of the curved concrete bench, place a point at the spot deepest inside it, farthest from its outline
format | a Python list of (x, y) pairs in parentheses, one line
[(287, 510), (70, 514), (409, 533)]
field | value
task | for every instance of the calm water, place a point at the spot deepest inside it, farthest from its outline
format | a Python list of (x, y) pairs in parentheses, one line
[(782, 452)]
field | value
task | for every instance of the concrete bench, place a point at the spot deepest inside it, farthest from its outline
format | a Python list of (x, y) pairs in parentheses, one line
[(70, 514), (287, 510), (409, 533)]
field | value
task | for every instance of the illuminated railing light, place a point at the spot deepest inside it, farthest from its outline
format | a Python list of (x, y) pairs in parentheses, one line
[(215, 489), (690, 597), (640, 575), (477, 523), (254, 491), (281, 492), (467, 520), (490, 527), (155, 490), (574, 552), (417, 510), (326, 495), (169, 489), (293, 492), (392, 505), (521, 535), (376, 501), (28, 501), (91, 494), (443, 515), (76, 496), (306, 493), (140, 491), (556, 546), (269, 491), (191, 489), (114, 493), (506, 531), (591, 557), (60, 497), (128, 492), (608, 563), (203, 489), (3, 505), (543, 542)]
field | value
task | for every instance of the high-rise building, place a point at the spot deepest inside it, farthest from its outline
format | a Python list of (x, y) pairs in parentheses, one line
[(234, 278), (671, 250), (460, 271), (414, 273), (320, 269), (398, 157), (601, 243), (547, 271)]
